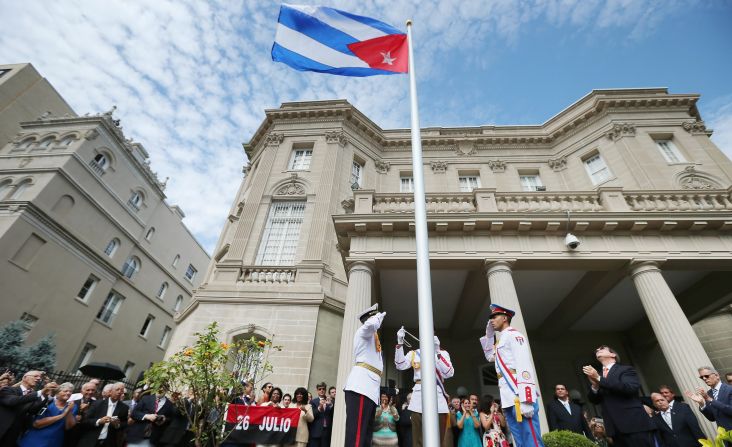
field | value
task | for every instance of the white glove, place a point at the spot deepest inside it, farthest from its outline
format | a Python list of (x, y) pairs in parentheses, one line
[(401, 333), (437, 345), (489, 332), (527, 410)]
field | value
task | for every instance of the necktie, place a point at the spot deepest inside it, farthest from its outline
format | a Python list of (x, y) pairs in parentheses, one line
[(27, 391), (157, 402), (605, 371), (714, 393), (667, 417), (566, 405)]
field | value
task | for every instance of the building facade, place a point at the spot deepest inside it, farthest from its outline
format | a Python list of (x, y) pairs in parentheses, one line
[(91, 250), (322, 227)]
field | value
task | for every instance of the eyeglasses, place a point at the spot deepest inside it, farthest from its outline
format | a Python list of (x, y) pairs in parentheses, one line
[(705, 376)]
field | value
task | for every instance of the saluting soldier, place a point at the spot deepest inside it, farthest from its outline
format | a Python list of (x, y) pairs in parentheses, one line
[(509, 349), (364, 382), (443, 369)]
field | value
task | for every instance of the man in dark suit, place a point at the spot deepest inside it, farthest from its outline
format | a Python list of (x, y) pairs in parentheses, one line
[(563, 414), (19, 404), (154, 411), (105, 421), (616, 391), (677, 426), (319, 427), (715, 403), (177, 433)]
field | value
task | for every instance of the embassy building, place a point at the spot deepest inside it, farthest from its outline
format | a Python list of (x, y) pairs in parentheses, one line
[(323, 226)]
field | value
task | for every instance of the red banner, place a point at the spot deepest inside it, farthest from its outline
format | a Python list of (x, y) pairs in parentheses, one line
[(261, 425)]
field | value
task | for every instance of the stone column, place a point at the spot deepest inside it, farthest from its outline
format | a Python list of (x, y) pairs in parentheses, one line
[(679, 343), (503, 292), (358, 298)]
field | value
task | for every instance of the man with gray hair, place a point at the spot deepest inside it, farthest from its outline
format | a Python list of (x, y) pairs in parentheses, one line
[(19, 403), (105, 421), (716, 402)]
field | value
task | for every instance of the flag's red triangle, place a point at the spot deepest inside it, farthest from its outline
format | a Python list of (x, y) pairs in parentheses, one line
[(386, 53)]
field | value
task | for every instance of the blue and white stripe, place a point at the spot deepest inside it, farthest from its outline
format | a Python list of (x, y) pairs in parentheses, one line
[(316, 38)]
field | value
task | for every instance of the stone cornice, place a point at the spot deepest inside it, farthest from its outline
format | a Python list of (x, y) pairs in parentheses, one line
[(467, 140)]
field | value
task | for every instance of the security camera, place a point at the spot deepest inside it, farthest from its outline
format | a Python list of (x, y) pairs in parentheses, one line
[(571, 241)]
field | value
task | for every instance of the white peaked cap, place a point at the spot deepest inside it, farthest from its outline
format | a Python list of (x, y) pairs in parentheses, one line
[(372, 309)]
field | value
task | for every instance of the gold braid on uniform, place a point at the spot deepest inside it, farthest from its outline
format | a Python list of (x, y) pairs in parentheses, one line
[(415, 365)]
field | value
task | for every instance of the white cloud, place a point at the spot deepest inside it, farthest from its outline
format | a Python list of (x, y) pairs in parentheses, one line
[(720, 120), (191, 79)]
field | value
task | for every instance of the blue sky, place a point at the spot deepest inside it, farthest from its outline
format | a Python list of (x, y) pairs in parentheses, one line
[(191, 78)]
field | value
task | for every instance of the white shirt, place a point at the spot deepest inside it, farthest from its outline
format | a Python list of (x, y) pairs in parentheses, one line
[(566, 405), (110, 410), (666, 415), (24, 389)]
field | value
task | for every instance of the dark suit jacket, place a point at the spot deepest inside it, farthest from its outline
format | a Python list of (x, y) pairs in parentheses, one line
[(89, 430), (559, 419), (176, 432), (686, 428), (621, 407), (16, 413), (317, 430), (146, 405), (720, 409)]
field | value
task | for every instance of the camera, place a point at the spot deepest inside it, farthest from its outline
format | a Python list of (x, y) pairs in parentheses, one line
[(571, 241)]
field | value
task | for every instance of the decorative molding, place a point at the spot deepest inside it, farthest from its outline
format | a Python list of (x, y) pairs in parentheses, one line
[(382, 167), (336, 136), (497, 165), (348, 205), (620, 130), (24, 162), (293, 187), (465, 148), (438, 167), (558, 164), (274, 139), (91, 134), (696, 127), (690, 178)]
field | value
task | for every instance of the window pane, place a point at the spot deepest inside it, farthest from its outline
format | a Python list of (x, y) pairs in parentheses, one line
[(530, 182), (669, 151), (468, 183), (356, 173), (109, 308), (301, 159), (407, 184), (281, 234)]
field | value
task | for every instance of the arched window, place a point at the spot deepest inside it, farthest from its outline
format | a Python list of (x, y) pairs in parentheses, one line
[(150, 233), (5, 188), (67, 140), (63, 205), (47, 142), (20, 188), (178, 303), (111, 247), (163, 289), (27, 143), (136, 200), (131, 267), (99, 164), (175, 260)]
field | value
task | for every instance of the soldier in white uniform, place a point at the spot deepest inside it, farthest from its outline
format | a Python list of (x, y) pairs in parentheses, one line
[(364, 382), (509, 349), (444, 370)]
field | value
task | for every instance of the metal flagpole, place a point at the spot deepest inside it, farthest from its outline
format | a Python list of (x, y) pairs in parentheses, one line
[(430, 426)]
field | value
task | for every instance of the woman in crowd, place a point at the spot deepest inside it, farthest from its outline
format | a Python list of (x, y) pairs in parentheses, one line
[(286, 400), (275, 398), (469, 425), (385, 423), (491, 420), (51, 423), (306, 416), (266, 391)]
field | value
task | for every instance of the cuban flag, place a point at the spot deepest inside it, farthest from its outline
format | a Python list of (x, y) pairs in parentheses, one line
[(327, 40)]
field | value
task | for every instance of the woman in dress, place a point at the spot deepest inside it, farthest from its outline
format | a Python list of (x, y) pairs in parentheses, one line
[(491, 420), (469, 425), (49, 425), (385, 423), (306, 416)]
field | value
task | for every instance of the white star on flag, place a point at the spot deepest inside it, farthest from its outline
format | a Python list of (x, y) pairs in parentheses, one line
[(387, 58)]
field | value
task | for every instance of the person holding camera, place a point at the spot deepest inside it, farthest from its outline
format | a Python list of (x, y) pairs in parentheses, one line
[(18, 405), (151, 415), (105, 420)]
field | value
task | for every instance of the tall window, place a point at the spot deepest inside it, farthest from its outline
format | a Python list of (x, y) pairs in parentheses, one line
[(356, 171), (129, 366), (4, 188), (190, 272), (530, 182), (135, 201), (47, 142), (27, 143), (131, 267), (597, 169), (20, 188), (178, 303), (468, 183), (110, 308), (99, 164), (281, 234), (150, 233), (67, 141), (669, 151), (175, 260), (87, 288), (85, 355), (162, 290), (164, 338), (301, 159), (406, 184), (146, 326), (111, 247)]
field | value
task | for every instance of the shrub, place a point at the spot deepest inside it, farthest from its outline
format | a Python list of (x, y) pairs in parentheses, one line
[(564, 438)]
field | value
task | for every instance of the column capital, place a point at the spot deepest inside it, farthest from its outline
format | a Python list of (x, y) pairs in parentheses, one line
[(492, 265), (642, 265), (360, 264)]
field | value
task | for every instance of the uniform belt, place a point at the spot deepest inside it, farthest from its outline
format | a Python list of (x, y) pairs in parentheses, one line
[(373, 369), (500, 376), (418, 381)]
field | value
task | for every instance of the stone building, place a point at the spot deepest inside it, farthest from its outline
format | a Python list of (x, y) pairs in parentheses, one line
[(90, 249), (322, 227)]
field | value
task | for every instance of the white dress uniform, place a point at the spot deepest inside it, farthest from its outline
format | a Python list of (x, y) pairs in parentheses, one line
[(363, 379), (514, 357), (444, 371)]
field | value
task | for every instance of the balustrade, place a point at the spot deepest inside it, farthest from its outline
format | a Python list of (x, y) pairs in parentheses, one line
[(268, 275)]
